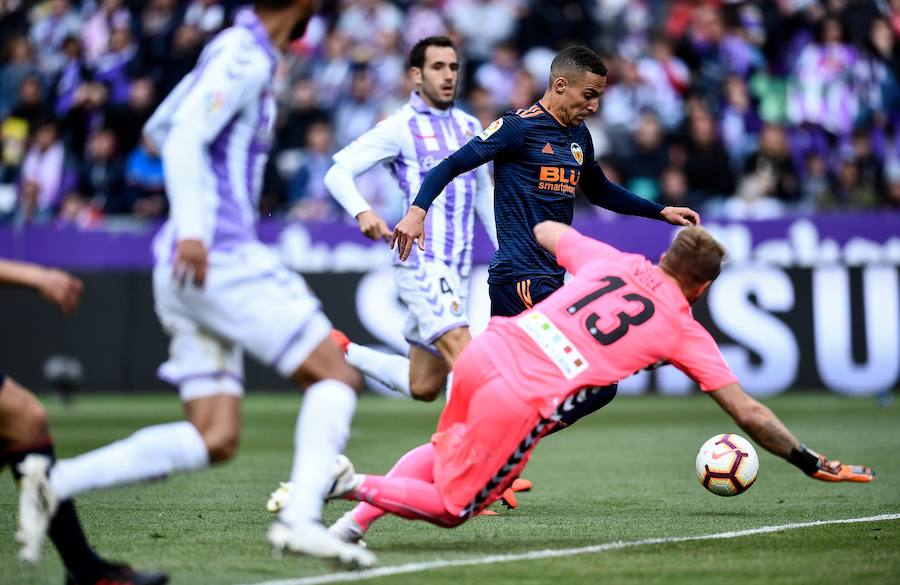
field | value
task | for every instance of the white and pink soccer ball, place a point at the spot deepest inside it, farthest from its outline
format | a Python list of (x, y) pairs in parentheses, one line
[(727, 464)]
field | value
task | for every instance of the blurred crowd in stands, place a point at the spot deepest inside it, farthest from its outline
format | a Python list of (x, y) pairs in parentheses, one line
[(740, 109)]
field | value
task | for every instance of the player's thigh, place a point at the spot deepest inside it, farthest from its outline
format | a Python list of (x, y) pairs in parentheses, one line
[(22, 417), (217, 410), (451, 343), (218, 419), (542, 287), (584, 402), (326, 362), (506, 299), (471, 372), (427, 373), (477, 459)]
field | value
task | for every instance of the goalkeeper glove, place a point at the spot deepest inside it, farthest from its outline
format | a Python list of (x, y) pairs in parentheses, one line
[(820, 467)]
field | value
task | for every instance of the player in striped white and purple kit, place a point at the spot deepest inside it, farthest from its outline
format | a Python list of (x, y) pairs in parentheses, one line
[(434, 284), (219, 291)]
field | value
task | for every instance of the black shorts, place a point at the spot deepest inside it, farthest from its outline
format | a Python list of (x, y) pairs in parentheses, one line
[(2, 379), (510, 299)]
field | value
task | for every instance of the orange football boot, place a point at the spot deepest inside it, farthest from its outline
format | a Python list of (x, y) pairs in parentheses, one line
[(509, 498), (341, 339)]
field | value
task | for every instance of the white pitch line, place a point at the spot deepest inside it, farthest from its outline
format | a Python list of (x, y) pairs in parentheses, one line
[(348, 576)]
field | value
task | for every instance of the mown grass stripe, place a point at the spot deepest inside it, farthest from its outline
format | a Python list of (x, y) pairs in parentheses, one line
[(348, 576)]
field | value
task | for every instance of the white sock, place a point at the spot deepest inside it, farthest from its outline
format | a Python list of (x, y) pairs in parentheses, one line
[(150, 453), (322, 430), (389, 369)]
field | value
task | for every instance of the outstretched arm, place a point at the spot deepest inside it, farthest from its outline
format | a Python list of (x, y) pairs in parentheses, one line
[(770, 433), (572, 249), (56, 286), (757, 419)]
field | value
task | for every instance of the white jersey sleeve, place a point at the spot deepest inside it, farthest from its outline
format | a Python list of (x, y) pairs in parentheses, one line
[(379, 145), (230, 74)]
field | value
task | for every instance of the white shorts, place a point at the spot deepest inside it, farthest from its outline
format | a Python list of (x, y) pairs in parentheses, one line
[(249, 301), (436, 298)]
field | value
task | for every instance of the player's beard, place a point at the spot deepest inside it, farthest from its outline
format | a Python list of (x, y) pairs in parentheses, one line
[(435, 96)]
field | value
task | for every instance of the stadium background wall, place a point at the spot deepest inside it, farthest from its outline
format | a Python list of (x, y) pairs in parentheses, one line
[(829, 327)]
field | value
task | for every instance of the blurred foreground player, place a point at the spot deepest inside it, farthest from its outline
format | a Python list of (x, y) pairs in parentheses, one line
[(24, 431), (219, 292), (515, 382)]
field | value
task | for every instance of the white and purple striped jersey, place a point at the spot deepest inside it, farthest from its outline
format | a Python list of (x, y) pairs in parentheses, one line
[(410, 143), (214, 132)]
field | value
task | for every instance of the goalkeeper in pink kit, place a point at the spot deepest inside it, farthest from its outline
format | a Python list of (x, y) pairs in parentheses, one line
[(512, 384)]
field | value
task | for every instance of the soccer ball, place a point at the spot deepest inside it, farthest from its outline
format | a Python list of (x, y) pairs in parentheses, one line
[(727, 465)]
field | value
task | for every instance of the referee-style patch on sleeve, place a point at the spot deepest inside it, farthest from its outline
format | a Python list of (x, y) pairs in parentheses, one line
[(494, 126)]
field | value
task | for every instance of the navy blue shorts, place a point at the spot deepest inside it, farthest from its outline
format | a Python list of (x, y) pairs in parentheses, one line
[(2, 379), (586, 402), (510, 299)]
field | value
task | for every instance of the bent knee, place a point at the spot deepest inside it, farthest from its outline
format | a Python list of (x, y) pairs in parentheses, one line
[(35, 417), (221, 445), (451, 521), (426, 392), (28, 423)]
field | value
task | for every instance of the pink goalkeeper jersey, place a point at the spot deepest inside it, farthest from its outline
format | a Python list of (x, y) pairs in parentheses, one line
[(618, 315)]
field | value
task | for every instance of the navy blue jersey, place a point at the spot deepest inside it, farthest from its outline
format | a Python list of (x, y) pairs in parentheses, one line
[(538, 163)]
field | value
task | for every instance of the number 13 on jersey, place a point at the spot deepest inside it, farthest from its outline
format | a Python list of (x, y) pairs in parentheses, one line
[(626, 320)]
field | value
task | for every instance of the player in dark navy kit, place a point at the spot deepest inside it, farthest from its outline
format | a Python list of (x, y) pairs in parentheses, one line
[(24, 430), (540, 155)]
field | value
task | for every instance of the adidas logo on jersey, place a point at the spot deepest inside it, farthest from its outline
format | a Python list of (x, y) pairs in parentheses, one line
[(547, 149)]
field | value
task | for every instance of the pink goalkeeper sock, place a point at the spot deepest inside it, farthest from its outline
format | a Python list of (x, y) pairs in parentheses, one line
[(406, 497), (418, 464)]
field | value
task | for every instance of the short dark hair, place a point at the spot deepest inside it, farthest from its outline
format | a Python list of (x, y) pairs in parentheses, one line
[(417, 53), (576, 60)]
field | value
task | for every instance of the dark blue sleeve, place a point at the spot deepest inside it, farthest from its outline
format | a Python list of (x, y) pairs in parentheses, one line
[(604, 193), (504, 136)]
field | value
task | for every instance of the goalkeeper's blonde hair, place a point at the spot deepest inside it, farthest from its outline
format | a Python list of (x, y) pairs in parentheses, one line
[(694, 257)]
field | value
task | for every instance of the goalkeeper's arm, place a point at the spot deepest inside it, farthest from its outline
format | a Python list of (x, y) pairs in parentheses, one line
[(770, 433)]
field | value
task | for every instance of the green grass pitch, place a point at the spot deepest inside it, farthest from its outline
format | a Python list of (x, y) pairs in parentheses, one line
[(625, 473)]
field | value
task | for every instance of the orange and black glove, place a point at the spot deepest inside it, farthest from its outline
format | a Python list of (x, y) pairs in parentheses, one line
[(820, 467)]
